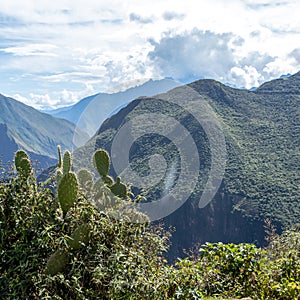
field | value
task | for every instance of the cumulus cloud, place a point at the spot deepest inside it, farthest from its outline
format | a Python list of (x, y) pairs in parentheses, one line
[(193, 55), (256, 59), (295, 54), (246, 76), (53, 53), (203, 54)]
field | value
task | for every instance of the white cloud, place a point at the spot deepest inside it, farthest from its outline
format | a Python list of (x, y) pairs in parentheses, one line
[(196, 54), (193, 54), (56, 99), (247, 76), (281, 66), (171, 15), (295, 54), (32, 50), (69, 45), (139, 19)]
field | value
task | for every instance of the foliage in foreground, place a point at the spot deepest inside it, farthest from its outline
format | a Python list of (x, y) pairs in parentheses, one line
[(43, 257), (50, 250)]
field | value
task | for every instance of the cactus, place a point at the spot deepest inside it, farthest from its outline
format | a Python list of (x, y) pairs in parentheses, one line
[(79, 237), (105, 192), (67, 191), (66, 164), (22, 164), (57, 262), (59, 165), (59, 259), (59, 176), (102, 162), (67, 184), (119, 189), (108, 180)]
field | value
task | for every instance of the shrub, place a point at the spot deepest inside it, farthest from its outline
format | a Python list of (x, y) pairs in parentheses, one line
[(63, 247), (44, 255)]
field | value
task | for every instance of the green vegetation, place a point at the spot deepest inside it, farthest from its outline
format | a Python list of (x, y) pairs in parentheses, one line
[(50, 250), (262, 177), (263, 143)]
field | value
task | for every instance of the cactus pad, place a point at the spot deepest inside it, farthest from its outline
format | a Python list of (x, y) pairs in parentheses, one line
[(59, 176), (66, 162), (57, 262), (79, 237), (119, 189), (22, 163), (67, 191), (59, 165), (108, 180), (101, 162)]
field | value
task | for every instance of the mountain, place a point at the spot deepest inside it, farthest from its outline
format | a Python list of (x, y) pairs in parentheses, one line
[(23, 127), (89, 113), (262, 175)]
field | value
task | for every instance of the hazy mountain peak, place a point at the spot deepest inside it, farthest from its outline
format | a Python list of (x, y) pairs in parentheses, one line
[(89, 113)]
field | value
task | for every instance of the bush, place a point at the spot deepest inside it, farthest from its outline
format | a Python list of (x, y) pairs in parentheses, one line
[(117, 260), (62, 247)]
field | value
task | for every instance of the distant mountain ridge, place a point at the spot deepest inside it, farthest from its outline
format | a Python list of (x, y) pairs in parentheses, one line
[(262, 178), (23, 127), (89, 113)]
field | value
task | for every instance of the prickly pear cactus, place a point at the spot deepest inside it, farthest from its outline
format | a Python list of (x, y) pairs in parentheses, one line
[(102, 162), (108, 180), (66, 167), (79, 237), (119, 189), (67, 191), (64, 164), (59, 165), (57, 262), (22, 164), (59, 176)]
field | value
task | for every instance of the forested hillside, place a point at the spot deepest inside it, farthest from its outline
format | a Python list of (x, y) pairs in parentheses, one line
[(261, 181)]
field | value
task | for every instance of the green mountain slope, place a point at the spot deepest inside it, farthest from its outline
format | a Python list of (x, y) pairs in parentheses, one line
[(39, 134), (263, 134), (262, 177)]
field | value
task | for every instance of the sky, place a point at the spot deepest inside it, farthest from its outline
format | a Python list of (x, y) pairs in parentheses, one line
[(54, 53)]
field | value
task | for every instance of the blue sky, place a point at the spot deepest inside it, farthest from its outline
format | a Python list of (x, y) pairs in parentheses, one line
[(53, 53)]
